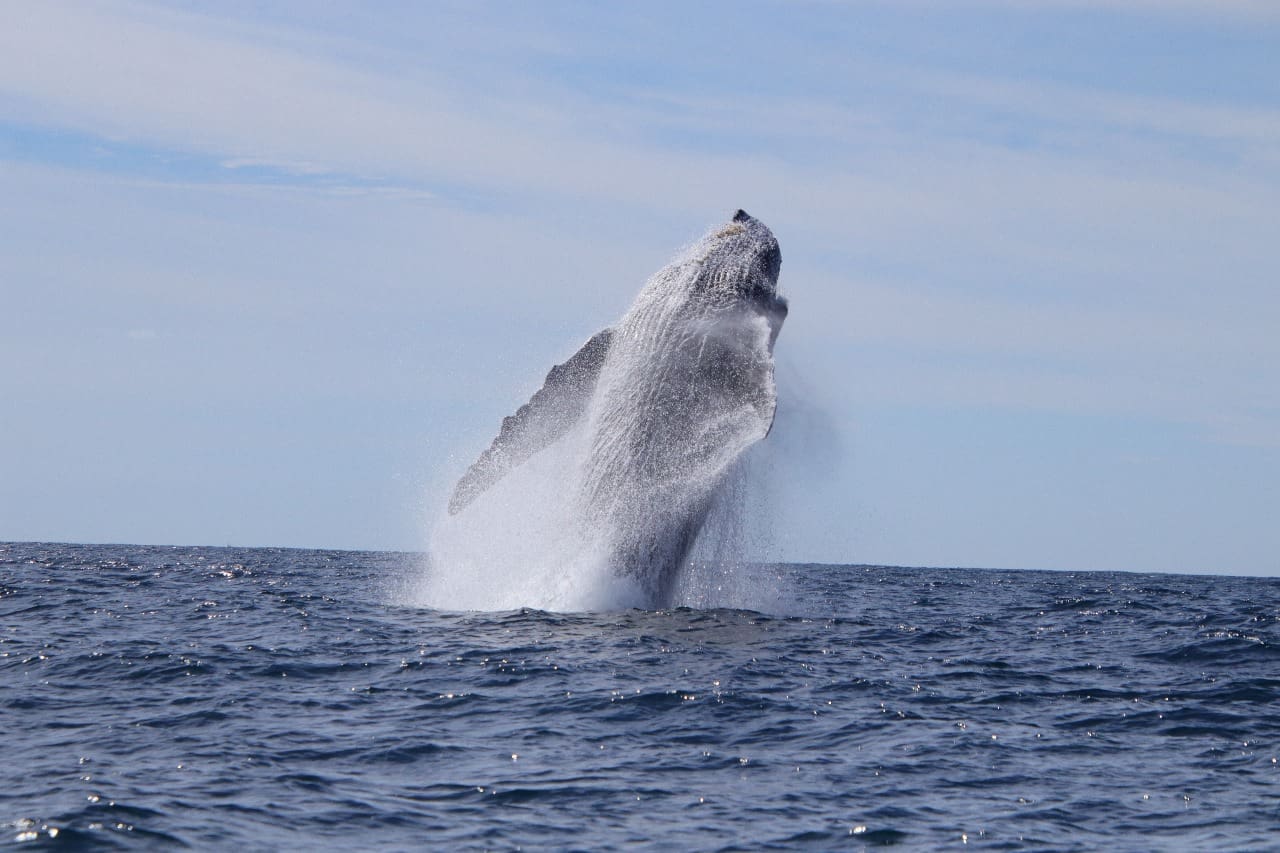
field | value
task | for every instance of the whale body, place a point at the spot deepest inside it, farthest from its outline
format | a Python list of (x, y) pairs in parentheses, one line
[(666, 401)]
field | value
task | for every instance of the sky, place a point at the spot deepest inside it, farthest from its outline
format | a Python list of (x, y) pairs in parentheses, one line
[(272, 274)]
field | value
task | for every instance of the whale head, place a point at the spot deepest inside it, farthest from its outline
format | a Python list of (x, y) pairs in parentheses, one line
[(739, 259)]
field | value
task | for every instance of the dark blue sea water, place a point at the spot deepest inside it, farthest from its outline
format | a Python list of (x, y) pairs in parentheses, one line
[(281, 699)]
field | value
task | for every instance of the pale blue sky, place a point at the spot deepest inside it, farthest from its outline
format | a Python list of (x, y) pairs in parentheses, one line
[(272, 276)]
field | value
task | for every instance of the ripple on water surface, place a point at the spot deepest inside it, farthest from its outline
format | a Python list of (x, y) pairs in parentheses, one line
[(155, 697)]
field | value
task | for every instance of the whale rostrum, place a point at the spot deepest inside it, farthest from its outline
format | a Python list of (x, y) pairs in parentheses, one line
[(668, 398)]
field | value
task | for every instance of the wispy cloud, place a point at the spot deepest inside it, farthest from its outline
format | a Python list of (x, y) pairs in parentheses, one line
[(1252, 9), (290, 167), (1247, 10), (1100, 193), (171, 79)]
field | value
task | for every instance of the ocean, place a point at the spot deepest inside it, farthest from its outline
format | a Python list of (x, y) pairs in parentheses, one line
[(265, 699)]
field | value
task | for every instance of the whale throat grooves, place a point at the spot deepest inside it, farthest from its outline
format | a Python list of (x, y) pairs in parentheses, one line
[(604, 479)]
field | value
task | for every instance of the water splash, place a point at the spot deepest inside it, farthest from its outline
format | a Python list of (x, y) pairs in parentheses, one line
[(595, 493)]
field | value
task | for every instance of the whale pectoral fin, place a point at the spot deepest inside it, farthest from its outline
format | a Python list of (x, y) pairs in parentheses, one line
[(555, 407), (775, 312), (772, 414)]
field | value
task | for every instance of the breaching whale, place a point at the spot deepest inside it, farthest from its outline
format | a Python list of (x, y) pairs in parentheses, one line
[(667, 399)]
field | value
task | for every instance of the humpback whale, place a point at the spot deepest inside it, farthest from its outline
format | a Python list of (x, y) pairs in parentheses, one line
[(662, 404)]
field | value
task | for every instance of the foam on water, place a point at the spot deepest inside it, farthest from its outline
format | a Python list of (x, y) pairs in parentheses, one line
[(518, 545)]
